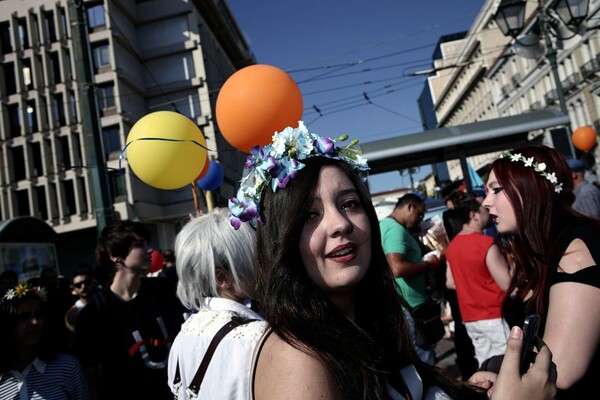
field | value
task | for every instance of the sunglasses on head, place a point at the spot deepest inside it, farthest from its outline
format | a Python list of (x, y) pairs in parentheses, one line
[(78, 285)]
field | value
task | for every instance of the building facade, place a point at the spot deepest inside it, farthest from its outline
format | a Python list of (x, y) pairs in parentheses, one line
[(145, 56), (495, 76)]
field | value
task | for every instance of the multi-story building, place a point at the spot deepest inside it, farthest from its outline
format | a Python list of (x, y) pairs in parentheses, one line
[(146, 56), (493, 77)]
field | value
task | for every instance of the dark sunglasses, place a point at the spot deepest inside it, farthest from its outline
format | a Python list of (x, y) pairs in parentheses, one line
[(78, 285)]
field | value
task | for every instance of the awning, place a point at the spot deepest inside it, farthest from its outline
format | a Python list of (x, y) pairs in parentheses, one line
[(454, 142), (25, 229)]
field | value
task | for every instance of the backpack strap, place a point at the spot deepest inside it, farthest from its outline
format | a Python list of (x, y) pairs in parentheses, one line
[(210, 351)]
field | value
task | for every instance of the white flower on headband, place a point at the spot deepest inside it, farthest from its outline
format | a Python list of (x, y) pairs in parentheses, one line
[(279, 162), (23, 290), (539, 168)]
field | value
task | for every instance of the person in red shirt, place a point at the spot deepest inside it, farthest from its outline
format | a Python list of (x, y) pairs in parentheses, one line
[(480, 274)]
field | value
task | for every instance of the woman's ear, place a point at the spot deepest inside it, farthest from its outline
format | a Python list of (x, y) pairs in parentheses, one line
[(223, 279)]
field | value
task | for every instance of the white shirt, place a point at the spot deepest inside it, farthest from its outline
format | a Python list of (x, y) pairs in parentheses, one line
[(228, 374)]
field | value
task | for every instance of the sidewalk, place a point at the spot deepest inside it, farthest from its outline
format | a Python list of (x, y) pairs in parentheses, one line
[(446, 356)]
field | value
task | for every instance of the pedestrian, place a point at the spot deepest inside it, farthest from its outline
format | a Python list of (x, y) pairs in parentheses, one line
[(124, 334), (478, 271), (217, 267), (32, 365), (336, 326), (587, 195), (403, 253), (84, 287), (555, 254)]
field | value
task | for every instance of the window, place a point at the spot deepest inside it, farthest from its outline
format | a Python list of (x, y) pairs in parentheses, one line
[(10, 79), (117, 185), (59, 110), (17, 157), (40, 194), (36, 154), (5, 38), (22, 198), (106, 98), (73, 104), (111, 141), (32, 113), (27, 81), (54, 68), (63, 157), (69, 192), (100, 57), (14, 120), (49, 26), (23, 36), (95, 16)]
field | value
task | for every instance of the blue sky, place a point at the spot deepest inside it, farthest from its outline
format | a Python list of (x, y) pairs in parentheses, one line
[(352, 59)]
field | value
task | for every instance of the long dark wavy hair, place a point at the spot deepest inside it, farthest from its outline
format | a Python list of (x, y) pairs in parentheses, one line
[(365, 354), (543, 216)]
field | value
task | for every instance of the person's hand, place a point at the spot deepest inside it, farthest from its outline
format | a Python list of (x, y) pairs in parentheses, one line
[(433, 261), (483, 379), (538, 383)]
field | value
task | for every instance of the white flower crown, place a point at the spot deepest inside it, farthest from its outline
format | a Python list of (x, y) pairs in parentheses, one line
[(278, 162), (540, 168)]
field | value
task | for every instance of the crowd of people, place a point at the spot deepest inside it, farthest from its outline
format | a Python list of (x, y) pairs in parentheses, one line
[(298, 291)]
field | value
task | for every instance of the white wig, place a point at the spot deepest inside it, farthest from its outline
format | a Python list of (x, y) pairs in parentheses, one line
[(206, 244)]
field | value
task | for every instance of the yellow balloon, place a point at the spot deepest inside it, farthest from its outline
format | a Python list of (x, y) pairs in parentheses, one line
[(161, 150)]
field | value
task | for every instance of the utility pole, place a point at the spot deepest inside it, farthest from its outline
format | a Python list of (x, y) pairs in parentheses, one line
[(90, 122), (551, 56)]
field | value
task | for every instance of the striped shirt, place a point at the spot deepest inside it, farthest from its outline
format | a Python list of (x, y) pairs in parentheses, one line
[(60, 378)]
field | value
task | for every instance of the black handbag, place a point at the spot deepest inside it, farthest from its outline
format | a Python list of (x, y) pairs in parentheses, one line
[(429, 327)]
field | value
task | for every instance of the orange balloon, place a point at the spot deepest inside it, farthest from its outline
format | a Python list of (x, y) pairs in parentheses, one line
[(584, 138), (254, 103), (205, 169)]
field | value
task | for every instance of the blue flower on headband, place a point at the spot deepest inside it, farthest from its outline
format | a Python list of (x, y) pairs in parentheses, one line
[(277, 163)]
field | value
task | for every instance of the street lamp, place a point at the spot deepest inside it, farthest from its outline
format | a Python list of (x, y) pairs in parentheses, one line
[(510, 18)]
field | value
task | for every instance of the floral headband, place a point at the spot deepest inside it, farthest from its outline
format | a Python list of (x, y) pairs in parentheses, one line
[(540, 168), (23, 290), (278, 162)]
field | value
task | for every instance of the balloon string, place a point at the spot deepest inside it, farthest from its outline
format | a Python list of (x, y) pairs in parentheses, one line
[(196, 203), (122, 155)]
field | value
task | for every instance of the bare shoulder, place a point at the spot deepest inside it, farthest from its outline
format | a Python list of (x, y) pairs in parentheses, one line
[(577, 256), (284, 372)]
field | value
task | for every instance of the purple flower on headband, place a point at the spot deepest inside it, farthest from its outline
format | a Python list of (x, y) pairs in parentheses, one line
[(257, 160), (324, 145), (285, 169), (243, 209)]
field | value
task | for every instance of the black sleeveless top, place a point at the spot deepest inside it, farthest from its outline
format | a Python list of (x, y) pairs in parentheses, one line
[(589, 233)]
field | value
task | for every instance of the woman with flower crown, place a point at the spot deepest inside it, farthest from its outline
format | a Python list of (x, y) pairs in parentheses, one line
[(31, 366), (337, 329), (556, 261)]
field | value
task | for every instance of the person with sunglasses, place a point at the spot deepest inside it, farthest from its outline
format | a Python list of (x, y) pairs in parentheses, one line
[(84, 286), (403, 253)]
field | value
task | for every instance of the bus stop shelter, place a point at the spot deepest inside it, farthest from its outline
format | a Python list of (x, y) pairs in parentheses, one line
[(459, 142)]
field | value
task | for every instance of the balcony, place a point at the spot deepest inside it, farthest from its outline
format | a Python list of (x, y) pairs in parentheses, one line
[(535, 106), (516, 80), (571, 82), (551, 97), (505, 91), (590, 68)]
